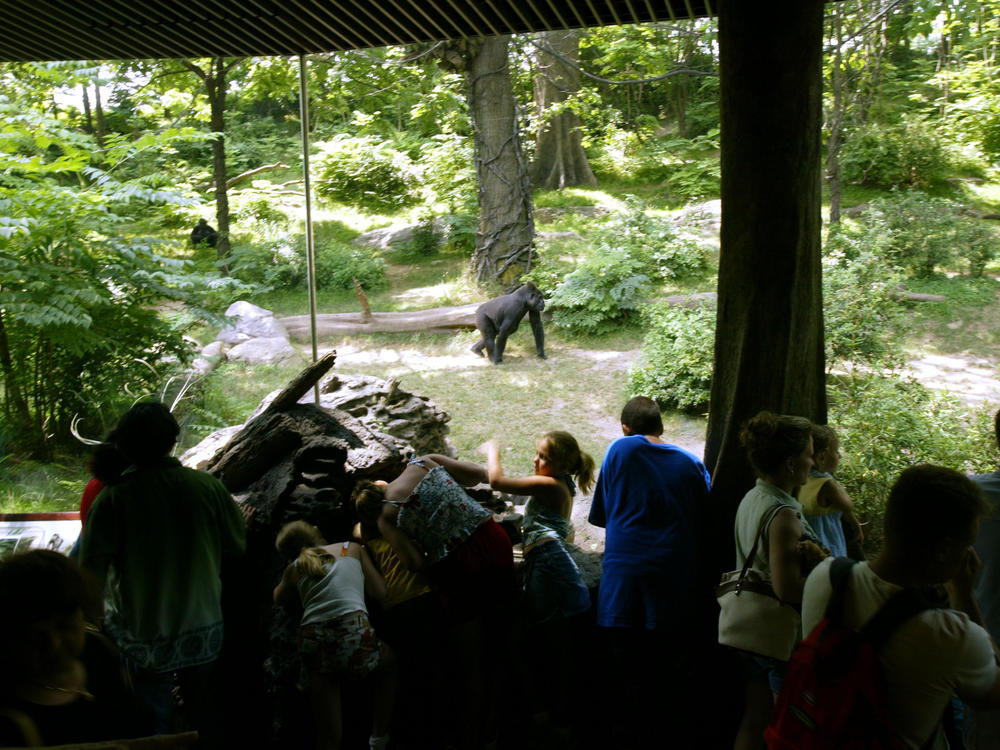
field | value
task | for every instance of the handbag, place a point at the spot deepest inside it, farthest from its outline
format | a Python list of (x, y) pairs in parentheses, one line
[(753, 618)]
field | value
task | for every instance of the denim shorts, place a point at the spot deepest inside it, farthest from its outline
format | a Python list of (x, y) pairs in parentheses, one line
[(757, 668)]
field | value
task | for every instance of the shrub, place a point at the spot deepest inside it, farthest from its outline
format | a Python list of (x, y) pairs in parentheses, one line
[(887, 156), (338, 265), (448, 170), (608, 287), (864, 319), (366, 174), (889, 423), (920, 233), (678, 352), (281, 264)]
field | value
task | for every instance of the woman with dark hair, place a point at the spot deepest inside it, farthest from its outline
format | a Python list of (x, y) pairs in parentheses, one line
[(780, 449)]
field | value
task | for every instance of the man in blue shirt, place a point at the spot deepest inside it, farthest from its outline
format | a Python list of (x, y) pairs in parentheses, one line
[(648, 497)]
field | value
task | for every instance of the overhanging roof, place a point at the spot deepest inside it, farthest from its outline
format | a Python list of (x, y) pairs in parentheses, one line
[(139, 29)]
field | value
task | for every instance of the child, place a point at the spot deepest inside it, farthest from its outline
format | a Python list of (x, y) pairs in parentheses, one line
[(336, 639), (826, 506), (552, 589)]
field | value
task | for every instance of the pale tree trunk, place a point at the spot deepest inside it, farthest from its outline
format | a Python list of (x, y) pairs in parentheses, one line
[(99, 114), (769, 331), (506, 222), (833, 180), (559, 157)]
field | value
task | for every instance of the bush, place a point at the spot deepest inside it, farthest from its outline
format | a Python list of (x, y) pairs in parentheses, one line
[(865, 322), (608, 287), (448, 170), (919, 234), (366, 174), (678, 351), (888, 156), (338, 265), (889, 423), (281, 264)]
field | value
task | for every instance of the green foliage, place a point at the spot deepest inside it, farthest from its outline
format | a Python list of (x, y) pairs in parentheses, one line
[(887, 423), (677, 353), (919, 234), (448, 170), (630, 252), (78, 299), (864, 319), (281, 264), (887, 156), (686, 169), (366, 174)]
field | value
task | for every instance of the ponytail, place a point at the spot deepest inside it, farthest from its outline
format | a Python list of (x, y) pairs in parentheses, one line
[(299, 539), (565, 451)]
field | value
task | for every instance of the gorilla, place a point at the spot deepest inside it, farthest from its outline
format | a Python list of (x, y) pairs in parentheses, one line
[(203, 233), (499, 318)]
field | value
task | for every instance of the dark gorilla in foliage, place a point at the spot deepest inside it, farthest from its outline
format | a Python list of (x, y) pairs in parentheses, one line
[(203, 233), (499, 318)]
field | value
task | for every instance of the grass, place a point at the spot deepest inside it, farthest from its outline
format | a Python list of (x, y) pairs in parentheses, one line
[(967, 321), (33, 487)]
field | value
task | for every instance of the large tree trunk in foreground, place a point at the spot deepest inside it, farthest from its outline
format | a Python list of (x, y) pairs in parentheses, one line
[(504, 239), (559, 157), (769, 332)]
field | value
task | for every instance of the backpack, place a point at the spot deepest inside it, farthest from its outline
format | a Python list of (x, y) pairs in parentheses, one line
[(834, 695)]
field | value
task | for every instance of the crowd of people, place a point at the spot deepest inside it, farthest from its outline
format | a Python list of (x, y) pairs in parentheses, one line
[(424, 612)]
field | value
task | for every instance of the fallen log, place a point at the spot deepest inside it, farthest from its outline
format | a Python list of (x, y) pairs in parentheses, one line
[(334, 324)]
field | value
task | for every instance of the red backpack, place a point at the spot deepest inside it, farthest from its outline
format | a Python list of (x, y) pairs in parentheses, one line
[(833, 696)]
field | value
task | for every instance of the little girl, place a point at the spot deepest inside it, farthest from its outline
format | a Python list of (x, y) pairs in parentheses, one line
[(825, 503), (552, 589), (336, 639)]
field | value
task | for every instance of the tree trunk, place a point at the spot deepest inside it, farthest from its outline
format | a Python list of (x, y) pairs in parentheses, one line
[(504, 239), (86, 110), (559, 157), (836, 119), (769, 332), (215, 86), (99, 113)]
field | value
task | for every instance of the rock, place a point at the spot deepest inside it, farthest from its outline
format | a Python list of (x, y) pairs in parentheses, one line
[(200, 455), (550, 236), (247, 321), (384, 238), (215, 349), (264, 350), (547, 214)]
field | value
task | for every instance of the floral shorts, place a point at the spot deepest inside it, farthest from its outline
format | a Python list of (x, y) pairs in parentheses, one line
[(343, 647)]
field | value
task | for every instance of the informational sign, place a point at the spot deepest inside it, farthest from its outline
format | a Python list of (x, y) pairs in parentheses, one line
[(23, 531)]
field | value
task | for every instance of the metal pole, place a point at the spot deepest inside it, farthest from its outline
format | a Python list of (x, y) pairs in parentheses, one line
[(307, 187)]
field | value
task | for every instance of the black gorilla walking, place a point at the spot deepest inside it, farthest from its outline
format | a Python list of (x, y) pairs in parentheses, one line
[(499, 318)]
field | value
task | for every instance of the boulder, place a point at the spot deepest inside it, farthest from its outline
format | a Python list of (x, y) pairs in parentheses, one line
[(247, 321), (264, 350), (385, 238)]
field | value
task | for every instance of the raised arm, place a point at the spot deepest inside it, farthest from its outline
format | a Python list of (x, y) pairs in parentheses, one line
[(832, 494), (466, 473), (546, 489)]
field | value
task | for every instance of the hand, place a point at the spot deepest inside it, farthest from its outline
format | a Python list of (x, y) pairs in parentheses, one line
[(961, 583), (810, 555), (489, 446)]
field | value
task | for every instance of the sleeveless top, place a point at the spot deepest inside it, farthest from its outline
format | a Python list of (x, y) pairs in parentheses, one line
[(401, 584), (339, 592), (439, 515), (752, 508), (541, 522), (824, 521)]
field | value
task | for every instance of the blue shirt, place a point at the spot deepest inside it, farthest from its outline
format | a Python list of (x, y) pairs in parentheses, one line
[(648, 497), (987, 588)]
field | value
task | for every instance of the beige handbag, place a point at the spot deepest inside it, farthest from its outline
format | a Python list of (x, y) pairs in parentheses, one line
[(753, 618)]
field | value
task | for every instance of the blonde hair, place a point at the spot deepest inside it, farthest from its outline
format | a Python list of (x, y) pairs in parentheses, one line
[(300, 540), (565, 451), (368, 498)]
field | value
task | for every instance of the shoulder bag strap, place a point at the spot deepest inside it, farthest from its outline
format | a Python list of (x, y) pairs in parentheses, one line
[(764, 521)]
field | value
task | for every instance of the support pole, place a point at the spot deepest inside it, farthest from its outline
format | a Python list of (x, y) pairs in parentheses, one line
[(307, 187)]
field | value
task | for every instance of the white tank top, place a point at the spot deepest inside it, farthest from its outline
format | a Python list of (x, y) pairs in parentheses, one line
[(339, 592)]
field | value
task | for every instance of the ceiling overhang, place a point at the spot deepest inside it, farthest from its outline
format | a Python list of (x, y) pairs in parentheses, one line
[(141, 29)]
